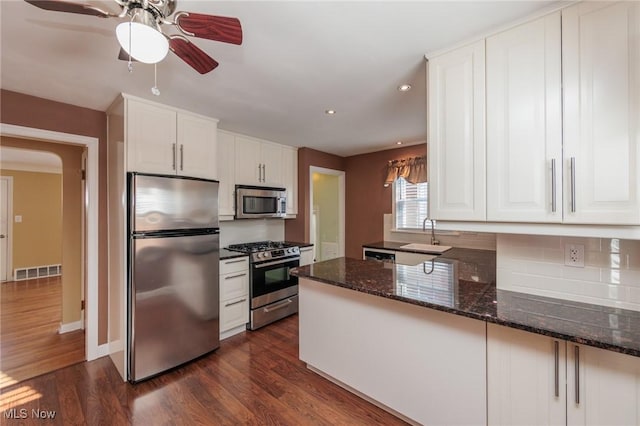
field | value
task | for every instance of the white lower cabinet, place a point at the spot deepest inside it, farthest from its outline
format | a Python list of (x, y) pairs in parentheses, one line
[(525, 378), (535, 379), (306, 255), (234, 296), (603, 387)]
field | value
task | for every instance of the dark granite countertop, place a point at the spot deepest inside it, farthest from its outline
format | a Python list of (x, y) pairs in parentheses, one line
[(228, 254), (463, 282)]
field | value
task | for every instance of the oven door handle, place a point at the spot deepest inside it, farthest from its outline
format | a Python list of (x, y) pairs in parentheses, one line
[(275, 262), (277, 306)]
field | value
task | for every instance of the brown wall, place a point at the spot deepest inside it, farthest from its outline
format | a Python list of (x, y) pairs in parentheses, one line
[(37, 239), (298, 229), (30, 111), (367, 200)]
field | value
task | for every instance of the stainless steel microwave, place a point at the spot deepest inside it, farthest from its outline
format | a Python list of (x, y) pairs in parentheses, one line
[(254, 202)]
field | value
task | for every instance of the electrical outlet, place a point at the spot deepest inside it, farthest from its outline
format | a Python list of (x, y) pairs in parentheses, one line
[(574, 255)]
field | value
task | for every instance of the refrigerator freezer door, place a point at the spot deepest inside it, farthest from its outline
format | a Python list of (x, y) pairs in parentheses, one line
[(174, 302), (168, 203)]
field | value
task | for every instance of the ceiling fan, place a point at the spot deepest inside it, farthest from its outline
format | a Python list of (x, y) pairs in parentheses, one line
[(142, 38)]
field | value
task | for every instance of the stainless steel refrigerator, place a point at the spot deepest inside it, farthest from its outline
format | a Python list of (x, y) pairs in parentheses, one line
[(173, 287)]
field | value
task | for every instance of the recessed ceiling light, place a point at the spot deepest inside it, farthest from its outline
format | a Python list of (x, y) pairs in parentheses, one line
[(404, 87), (399, 143), (330, 111)]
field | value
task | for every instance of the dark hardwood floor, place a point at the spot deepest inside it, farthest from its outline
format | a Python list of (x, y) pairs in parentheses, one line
[(253, 378), (30, 345)]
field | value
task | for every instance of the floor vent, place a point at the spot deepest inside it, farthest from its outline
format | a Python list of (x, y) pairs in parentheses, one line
[(21, 274)]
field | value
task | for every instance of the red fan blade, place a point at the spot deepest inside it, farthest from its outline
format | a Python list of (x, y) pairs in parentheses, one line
[(70, 7), (218, 28), (192, 54)]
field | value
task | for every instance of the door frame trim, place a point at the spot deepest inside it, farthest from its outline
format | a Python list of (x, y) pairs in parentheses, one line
[(9, 254), (92, 351), (341, 205)]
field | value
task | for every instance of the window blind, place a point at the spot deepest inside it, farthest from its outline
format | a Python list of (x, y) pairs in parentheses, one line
[(432, 282), (411, 204)]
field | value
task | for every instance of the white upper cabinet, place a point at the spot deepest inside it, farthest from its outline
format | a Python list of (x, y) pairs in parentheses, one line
[(271, 155), (248, 162), (290, 177), (164, 140), (524, 123), (601, 76), (197, 146), (150, 137), (226, 174), (456, 111)]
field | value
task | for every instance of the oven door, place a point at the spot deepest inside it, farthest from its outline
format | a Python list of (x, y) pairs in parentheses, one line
[(271, 281)]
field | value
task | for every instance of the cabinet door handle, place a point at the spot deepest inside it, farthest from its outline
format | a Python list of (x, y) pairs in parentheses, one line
[(181, 157), (577, 373), (556, 362), (264, 172), (230, 277), (553, 186), (234, 303), (573, 184), (259, 172), (173, 149)]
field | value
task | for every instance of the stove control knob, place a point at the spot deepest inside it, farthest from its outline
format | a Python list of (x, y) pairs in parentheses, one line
[(259, 255)]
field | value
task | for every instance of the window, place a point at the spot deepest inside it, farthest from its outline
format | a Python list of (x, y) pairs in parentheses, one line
[(410, 203)]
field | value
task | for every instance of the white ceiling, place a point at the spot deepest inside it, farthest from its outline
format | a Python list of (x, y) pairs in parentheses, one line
[(298, 59), (27, 159)]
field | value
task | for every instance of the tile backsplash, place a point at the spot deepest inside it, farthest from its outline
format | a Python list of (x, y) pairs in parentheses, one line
[(536, 265)]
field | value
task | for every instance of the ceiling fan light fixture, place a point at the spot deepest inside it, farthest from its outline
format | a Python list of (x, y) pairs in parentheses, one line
[(142, 39)]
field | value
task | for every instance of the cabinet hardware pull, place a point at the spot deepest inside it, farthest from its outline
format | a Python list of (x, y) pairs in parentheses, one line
[(181, 157), (174, 155), (577, 372), (230, 277), (573, 184), (234, 303), (264, 172), (556, 354), (259, 172), (280, 305), (228, 262), (553, 186)]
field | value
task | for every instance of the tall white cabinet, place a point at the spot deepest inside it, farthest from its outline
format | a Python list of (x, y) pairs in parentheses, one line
[(456, 87), (601, 76), (524, 123)]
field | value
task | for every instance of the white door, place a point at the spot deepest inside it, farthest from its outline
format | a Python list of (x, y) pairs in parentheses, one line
[(607, 384), (524, 123), (4, 229), (601, 78), (456, 106), (525, 378)]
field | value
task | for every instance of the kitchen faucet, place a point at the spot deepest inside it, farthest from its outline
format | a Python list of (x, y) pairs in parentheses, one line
[(434, 242)]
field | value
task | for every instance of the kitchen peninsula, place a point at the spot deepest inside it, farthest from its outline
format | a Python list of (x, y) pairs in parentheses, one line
[(424, 341)]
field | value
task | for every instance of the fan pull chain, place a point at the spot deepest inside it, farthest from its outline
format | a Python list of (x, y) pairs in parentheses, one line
[(155, 89), (130, 64)]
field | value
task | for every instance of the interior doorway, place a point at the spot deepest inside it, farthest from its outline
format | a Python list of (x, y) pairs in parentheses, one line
[(326, 196), (92, 349), (6, 211)]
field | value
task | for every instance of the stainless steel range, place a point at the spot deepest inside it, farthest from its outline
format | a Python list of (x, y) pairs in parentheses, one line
[(273, 290)]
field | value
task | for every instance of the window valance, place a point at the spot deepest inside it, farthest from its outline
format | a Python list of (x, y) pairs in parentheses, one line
[(414, 170)]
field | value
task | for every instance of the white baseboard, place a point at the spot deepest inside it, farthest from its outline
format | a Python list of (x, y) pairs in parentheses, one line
[(70, 326)]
